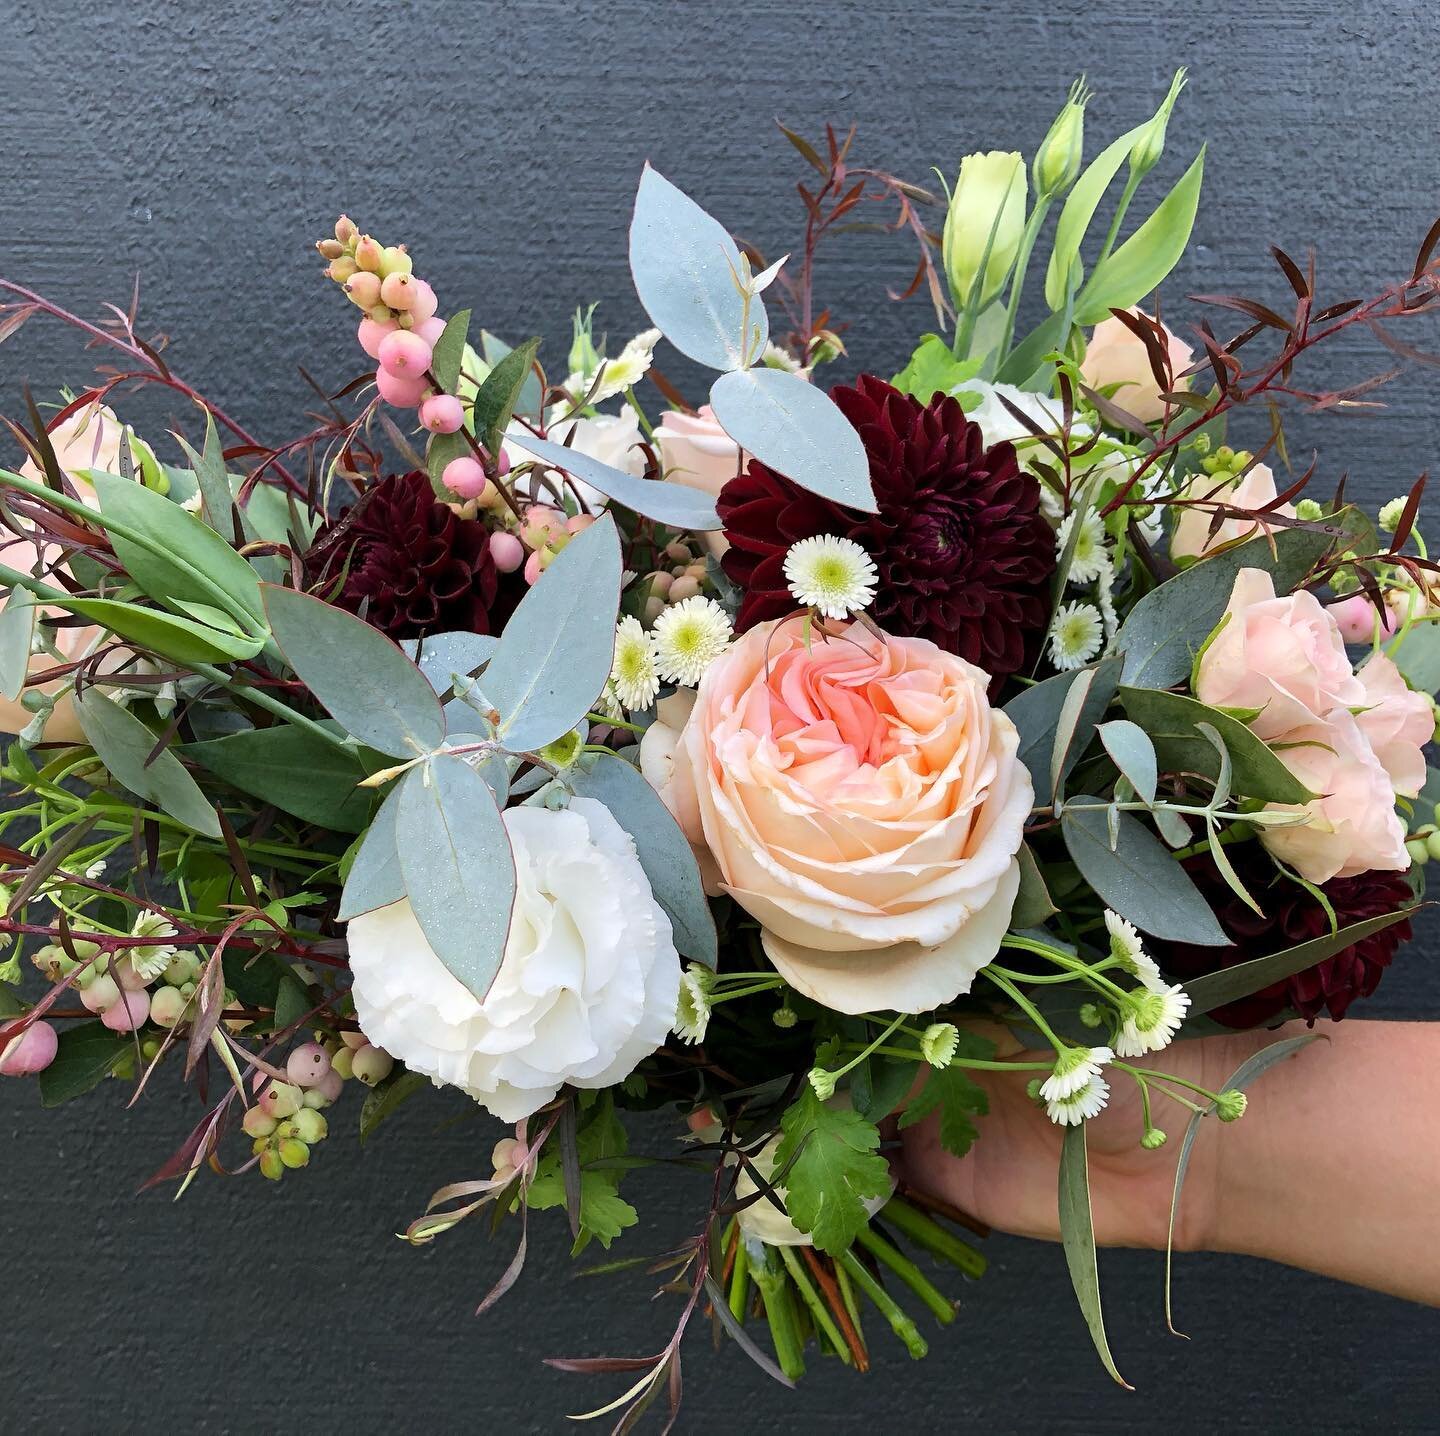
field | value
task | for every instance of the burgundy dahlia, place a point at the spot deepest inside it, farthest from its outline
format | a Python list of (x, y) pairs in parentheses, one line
[(413, 564), (1291, 916), (963, 555)]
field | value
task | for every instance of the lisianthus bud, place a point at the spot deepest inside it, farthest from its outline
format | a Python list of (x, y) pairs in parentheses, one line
[(1057, 161), (1150, 143), (984, 225)]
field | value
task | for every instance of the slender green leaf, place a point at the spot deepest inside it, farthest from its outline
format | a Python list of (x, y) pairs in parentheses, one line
[(182, 640), (497, 397)]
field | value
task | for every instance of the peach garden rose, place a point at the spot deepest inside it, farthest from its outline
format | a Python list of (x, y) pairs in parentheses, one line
[(1116, 355), (861, 799), (1192, 537)]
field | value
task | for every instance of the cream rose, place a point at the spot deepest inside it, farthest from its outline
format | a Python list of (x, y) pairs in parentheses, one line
[(1116, 355), (862, 800), (1192, 537), (588, 986), (698, 453), (1282, 656)]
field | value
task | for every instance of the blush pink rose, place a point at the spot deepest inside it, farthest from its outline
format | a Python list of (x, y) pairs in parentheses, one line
[(863, 801), (1352, 827), (1192, 537), (1115, 355), (697, 452), (1282, 656), (1397, 723)]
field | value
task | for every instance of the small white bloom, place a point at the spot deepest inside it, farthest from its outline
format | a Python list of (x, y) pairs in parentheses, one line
[(1391, 513), (1080, 1105), (692, 1016), (633, 675), (1074, 1070), (1151, 1019), (192, 504), (1127, 948), (774, 357), (688, 637), (1076, 635), (1105, 593), (149, 961), (618, 374), (1091, 558), (833, 575)]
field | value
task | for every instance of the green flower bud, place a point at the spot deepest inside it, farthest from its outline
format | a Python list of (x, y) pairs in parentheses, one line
[(271, 1165), (1309, 510), (294, 1153), (182, 968), (1032, 1089), (585, 358), (984, 225), (1230, 1105), (785, 1017), (1390, 515), (1058, 160), (1092, 1014), (938, 1044), (823, 1082), (1153, 1139), (1201, 444), (1150, 143)]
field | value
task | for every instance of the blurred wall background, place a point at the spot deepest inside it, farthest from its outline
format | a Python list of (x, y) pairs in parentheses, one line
[(204, 147)]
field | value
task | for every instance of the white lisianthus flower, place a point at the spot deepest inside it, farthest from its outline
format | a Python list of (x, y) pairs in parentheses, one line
[(617, 375), (832, 575), (588, 986), (688, 637), (1076, 635), (1150, 1018), (1081, 1105), (608, 438)]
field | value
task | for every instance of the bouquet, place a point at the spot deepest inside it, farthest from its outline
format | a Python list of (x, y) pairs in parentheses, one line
[(775, 754)]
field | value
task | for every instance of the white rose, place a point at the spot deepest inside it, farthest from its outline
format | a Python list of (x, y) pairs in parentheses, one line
[(607, 438), (999, 426), (588, 986)]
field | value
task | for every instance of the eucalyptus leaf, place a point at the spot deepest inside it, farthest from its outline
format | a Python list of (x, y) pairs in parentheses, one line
[(444, 656), (1134, 754), (362, 677), (1033, 903), (1169, 625), (17, 633), (1035, 712), (798, 430), (1066, 726), (375, 880), (1077, 1233), (686, 269), (1418, 656), (1138, 879), (660, 845), (458, 867), (555, 654), (675, 505)]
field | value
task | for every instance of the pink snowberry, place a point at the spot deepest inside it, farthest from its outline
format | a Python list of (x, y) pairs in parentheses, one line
[(398, 291), (507, 551), (1356, 617), (307, 1064), (329, 1085), (429, 329), (364, 289), (578, 523), (404, 354), (402, 393), (128, 1013), (280, 1100), (354, 1040), (464, 476), (31, 1052), (100, 993), (423, 303), (442, 414), (372, 331), (532, 569)]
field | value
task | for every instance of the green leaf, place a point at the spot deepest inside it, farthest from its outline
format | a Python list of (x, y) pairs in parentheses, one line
[(1035, 712), (361, 676), (957, 1096), (600, 1143), (213, 483), (458, 868), (1170, 719), (1138, 879), (1229, 984), (1169, 625), (449, 351), (383, 1101), (798, 430), (1133, 752), (1033, 903), (375, 879), (676, 505), (1137, 267), (497, 397), (933, 369), (493, 350), (1077, 1232), (1418, 657), (291, 1003), (833, 1167), (555, 654), (685, 266), (879, 1084), (124, 744), (17, 631), (88, 1053), (296, 771), (180, 639)]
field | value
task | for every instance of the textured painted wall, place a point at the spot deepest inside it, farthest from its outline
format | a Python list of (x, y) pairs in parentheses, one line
[(203, 146)]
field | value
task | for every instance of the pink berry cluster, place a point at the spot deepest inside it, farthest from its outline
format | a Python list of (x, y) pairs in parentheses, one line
[(681, 577), (400, 326), (154, 983), (543, 534), (31, 1052)]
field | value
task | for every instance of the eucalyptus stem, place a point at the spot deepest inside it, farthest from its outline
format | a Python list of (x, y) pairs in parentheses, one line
[(900, 1323), (926, 1232), (819, 1312), (908, 1272)]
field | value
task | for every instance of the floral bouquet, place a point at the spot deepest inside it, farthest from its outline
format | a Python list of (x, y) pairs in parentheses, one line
[(781, 762)]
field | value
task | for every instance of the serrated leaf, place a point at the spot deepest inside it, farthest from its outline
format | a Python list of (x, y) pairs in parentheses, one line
[(833, 1167), (124, 744), (1139, 879), (1133, 753), (957, 1097), (498, 395), (449, 351), (660, 845), (555, 654), (685, 265), (458, 867), (362, 678), (675, 505), (17, 632), (796, 429), (88, 1053), (375, 879)]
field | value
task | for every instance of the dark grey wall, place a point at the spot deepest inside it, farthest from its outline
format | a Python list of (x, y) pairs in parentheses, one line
[(204, 145)]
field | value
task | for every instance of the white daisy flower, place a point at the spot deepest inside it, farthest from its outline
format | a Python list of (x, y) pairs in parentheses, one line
[(150, 960), (1079, 1106), (1074, 1070), (1391, 513), (692, 1016), (632, 677), (939, 1043), (621, 373), (688, 637), (1091, 558), (832, 575), (1105, 593), (1150, 1020), (774, 357), (192, 504), (1127, 948), (1075, 635)]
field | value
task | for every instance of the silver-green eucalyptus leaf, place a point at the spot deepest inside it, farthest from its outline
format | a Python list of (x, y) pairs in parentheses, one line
[(445, 658), (1129, 745), (17, 633), (375, 880)]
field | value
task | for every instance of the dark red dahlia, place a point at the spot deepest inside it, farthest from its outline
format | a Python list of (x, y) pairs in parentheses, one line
[(1291, 916), (414, 565), (963, 554)]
